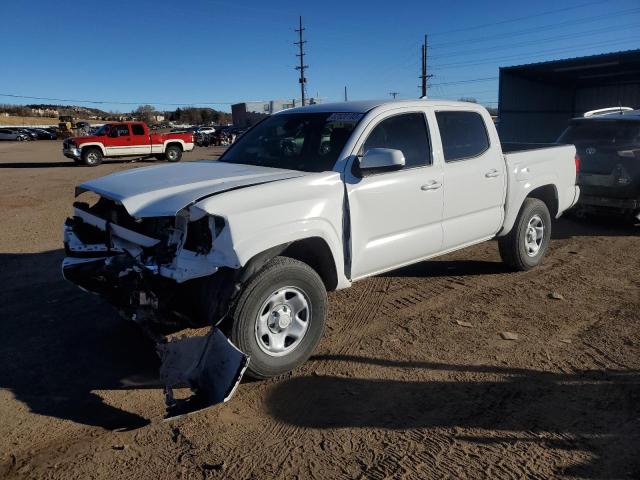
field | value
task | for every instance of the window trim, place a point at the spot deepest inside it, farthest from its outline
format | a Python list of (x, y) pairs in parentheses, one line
[(355, 165), (484, 126)]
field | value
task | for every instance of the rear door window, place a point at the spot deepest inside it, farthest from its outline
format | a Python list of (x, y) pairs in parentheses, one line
[(463, 134), (137, 129)]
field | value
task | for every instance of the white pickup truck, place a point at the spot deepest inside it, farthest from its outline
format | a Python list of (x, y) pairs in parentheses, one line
[(310, 200)]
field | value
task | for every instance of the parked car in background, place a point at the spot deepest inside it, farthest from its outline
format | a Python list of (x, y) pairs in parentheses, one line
[(206, 130), (11, 134), (30, 134), (42, 134), (609, 148), (126, 139)]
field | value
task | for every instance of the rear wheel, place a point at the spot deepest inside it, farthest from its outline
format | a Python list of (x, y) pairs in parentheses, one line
[(173, 153), (91, 157), (279, 317), (527, 242)]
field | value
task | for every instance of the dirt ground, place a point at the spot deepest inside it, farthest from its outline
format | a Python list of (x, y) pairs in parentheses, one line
[(397, 388)]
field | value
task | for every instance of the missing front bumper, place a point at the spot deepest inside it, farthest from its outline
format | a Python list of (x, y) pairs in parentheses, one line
[(210, 365)]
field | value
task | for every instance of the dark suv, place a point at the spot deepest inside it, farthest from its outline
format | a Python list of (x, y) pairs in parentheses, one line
[(609, 150)]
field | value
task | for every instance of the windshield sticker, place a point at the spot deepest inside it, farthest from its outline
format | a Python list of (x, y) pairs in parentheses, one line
[(344, 117)]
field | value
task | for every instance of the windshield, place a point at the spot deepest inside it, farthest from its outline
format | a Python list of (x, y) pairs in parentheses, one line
[(309, 142), (103, 130), (602, 133)]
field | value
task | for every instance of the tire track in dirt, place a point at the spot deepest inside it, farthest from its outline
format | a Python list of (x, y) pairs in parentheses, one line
[(432, 459), (374, 305)]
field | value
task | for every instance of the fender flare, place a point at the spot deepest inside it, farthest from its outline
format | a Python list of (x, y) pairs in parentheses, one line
[(93, 144), (174, 140)]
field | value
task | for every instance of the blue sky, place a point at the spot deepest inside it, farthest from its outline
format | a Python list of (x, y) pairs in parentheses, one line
[(207, 51)]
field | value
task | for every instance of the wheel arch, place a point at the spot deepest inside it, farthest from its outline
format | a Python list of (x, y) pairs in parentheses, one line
[(313, 251), (549, 195), (177, 143), (546, 192), (99, 146)]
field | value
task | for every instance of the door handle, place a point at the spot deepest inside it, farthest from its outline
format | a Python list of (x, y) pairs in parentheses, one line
[(431, 186), (492, 173)]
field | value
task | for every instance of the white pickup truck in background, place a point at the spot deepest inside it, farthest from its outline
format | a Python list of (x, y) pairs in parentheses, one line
[(307, 201)]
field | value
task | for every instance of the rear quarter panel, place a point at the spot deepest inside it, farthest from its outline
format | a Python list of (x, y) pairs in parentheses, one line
[(159, 141), (531, 169)]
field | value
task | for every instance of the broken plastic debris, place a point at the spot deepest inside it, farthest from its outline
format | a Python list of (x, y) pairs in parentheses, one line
[(509, 336), (210, 365)]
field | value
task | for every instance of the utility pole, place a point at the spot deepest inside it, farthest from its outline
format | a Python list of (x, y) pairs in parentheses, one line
[(345, 94), (302, 66), (394, 94), (424, 75)]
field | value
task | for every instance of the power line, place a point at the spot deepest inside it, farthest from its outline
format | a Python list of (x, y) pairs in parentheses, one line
[(461, 82), (112, 102), (539, 28), (517, 19), (538, 41), (302, 66), (540, 52)]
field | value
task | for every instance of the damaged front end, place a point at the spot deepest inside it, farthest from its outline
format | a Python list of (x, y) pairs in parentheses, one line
[(163, 273)]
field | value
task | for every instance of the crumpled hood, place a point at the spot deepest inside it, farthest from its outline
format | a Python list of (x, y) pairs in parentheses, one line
[(164, 190)]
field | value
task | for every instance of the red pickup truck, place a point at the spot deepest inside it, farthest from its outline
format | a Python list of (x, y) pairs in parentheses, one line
[(124, 140)]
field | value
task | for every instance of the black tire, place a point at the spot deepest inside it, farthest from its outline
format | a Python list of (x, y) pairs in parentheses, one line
[(513, 246), (91, 156), (173, 153), (275, 276)]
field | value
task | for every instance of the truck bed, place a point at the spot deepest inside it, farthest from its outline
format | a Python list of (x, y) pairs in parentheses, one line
[(533, 164), (514, 147)]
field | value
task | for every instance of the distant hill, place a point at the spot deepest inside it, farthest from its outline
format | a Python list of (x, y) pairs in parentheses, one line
[(193, 115)]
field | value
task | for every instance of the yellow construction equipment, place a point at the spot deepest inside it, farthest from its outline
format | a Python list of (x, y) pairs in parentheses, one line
[(66, 126)]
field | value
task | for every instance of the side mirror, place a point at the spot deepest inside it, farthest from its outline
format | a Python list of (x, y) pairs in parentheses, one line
[(381, 159)]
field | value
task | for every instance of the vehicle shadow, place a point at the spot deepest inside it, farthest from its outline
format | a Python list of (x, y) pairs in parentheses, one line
[(443, 268), (593, 226), (71, 164), (593, 411), (563, 228), (59, 345)]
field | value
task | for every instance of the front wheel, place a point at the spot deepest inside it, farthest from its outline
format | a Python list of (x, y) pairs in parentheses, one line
[(279, 317), (173, 153), (91, 157), (525, 245)]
